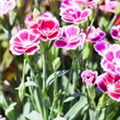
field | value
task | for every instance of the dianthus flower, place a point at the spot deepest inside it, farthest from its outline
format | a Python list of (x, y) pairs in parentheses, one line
[(89, 77), (111, 59), (87, 3), (115, 32), (109, 5), (74, 15), (46, 26), (101, 46), (6, 6), (67, 3), (71, 38), (95, 34), (109, 84), (78, 3), (24, 42)]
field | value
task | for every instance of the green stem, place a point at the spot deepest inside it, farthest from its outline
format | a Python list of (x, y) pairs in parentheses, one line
[(44, 75), (55, 95), (36, 93), (44, 86), (24, 69), (112, 21)]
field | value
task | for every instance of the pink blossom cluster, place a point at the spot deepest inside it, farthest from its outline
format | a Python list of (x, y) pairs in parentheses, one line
[(46, 27), (108, 82)]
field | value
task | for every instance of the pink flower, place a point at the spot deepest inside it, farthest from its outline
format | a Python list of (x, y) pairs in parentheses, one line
[(95, 34), (74, 15), (78, 3), (46, 26), (6, 6), (109, 5), (24, 42), (109, 84), (67, 3), (71, 38), (89, 77), (30, 18), (101, 46), (87, 3), (111, 59), (115, 32), (49, 28)]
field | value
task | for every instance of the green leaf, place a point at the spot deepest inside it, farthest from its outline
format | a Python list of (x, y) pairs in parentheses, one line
[(34, 115), (50, 79), (36, 14), (56, 63), (7, 59), (10, 108), (92, 114), (71, 97), (21, 91), (117, 11), (30, 83), (77, 107)]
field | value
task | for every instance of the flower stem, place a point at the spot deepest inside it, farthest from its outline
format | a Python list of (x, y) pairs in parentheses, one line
[(44, 76), (55, 95)]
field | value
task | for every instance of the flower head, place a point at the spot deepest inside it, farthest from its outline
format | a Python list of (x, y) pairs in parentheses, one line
[(109, 84), (109, 5), (46, 26), (115, 32), (111, 59), (24, 42), (67, 3), (101, 46), (49, 28), (74, 15), (87, 3), (89, 77), (95, 34), (6, 6), (71, 38)]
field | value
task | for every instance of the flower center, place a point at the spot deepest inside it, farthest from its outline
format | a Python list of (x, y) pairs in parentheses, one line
[(111, 88)]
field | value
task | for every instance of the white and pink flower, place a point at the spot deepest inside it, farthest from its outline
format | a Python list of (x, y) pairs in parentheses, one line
[(95, 34), (49, 28), (101, 46), (6, 6), (74, 15), (67, 3), (115, 32), (87, 3), (71, 38), (78, 3), (46, 26), (111, 59), (89, 77), (109, 84), (109, 5), (24, 42)]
